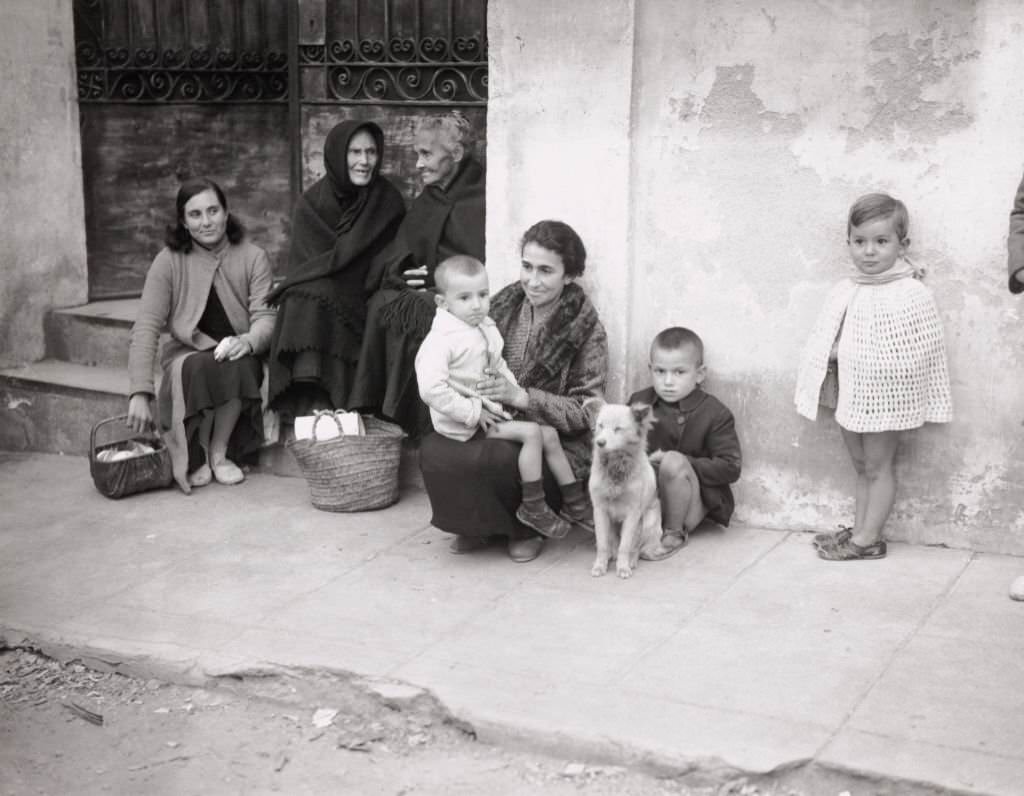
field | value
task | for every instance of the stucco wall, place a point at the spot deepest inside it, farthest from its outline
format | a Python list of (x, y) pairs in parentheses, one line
[(42, 228), (752, 127)]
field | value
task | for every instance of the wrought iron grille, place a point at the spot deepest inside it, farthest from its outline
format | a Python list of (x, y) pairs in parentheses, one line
[(184, 51), (387, 52)]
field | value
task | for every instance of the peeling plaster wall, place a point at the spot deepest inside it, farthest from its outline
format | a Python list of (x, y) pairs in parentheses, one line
[(753, 126), (42, 227), (560, 81)]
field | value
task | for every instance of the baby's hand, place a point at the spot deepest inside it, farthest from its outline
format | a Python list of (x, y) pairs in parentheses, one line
[(489, 419)]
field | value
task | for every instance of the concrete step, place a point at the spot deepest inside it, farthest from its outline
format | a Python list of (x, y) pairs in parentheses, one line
[(51, 406), (94, 334)]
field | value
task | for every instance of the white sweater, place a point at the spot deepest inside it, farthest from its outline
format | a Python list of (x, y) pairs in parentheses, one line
[(893, 373), (450, 362)]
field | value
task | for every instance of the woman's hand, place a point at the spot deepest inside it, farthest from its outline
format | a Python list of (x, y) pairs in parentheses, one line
[(416, 278), (140, 412), (498, 388), (231, 348)]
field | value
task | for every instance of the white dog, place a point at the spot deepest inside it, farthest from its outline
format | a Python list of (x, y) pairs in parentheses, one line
[(624, 490)]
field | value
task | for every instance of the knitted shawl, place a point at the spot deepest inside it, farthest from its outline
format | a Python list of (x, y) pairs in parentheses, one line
[(336, 223), (893, 373), (566, 363), (440, 223)]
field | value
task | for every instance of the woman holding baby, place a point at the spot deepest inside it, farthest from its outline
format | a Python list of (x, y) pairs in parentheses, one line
[(556, 347), (207, 287)]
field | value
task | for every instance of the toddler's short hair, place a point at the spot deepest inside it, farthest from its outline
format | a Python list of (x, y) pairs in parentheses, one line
[(879, 205), (677, 337), (456, 264)]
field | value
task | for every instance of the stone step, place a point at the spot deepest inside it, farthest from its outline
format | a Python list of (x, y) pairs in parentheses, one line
[(93, 334), (51, 406)]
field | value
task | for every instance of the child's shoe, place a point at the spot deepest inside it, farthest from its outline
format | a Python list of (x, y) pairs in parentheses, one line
[(542, 519), (576, 506)]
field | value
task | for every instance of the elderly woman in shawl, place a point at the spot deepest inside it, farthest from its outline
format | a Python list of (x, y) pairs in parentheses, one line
[(338, 226), (446, 218), (207, 287)]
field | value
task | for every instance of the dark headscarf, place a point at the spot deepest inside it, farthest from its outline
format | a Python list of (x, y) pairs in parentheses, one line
[(335, 221)]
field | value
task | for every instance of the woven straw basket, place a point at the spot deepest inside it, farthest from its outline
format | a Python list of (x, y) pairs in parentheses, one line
[(352, 473), (128, 476)]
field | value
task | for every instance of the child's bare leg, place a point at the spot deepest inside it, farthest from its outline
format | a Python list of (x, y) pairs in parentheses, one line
[(534, 511), (855, 446), (531, 451), (879, 455), (679, 492), (554, 455), (576, 506)]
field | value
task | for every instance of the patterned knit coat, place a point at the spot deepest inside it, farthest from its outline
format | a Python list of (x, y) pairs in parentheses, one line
[(567, 363), (892, 357)]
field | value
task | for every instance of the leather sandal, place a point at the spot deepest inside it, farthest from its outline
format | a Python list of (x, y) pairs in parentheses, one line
[(844, 534), (849, 550), (668, 551)]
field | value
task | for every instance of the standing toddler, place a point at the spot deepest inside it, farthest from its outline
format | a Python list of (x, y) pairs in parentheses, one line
[(876, 354)]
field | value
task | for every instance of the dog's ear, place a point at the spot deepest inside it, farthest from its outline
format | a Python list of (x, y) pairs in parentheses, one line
[(641, 412), (592, 406)]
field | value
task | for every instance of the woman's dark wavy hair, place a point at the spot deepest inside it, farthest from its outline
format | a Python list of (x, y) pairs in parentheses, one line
[(559, 237), (178, 238)]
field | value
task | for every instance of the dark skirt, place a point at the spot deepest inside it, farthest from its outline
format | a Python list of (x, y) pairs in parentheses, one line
[(315, 347), (206, 384), (385, 382), (474, 486)]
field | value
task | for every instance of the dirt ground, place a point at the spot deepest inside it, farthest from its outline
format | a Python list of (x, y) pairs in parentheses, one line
[(66, 728), (69, 728)]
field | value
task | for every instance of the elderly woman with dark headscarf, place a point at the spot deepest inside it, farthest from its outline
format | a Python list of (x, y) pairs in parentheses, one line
[(339, 224)]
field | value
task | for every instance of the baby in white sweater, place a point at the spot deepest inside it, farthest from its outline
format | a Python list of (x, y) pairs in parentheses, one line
[(463, 345)]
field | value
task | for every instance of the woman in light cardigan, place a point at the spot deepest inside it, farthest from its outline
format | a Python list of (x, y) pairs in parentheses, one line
[(207, 288)]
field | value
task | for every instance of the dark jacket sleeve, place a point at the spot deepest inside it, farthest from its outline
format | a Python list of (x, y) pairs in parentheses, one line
[(1015, 241), (722, 465)]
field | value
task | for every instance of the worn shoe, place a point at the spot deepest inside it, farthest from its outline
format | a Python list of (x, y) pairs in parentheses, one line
[(467, 544), (201, 476), (849, 550), (579, 514), (523, 550), (671, 543), (843, 535), (227, 472), (543, 520)]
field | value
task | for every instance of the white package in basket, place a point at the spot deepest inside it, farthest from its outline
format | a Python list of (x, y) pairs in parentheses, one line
[(327, 428)]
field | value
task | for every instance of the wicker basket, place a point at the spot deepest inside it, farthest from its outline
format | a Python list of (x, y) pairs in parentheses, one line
[(352, 473), (128, 476)]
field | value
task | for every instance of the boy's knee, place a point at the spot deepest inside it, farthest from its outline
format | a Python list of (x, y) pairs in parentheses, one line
[(674, 467), (549, 435)]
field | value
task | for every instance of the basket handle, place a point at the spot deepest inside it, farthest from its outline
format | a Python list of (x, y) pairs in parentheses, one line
[(92, 434), (333, 415)]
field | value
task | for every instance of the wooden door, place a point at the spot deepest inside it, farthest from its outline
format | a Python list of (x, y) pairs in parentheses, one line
[(244, 91)]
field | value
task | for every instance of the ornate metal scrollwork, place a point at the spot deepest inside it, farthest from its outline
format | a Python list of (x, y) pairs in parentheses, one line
[(118, 71), (430, 71)]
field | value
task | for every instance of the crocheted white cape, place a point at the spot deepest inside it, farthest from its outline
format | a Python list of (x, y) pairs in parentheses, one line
[(893, 373)]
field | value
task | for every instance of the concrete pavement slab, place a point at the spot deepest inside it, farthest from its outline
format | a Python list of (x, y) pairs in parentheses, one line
[(744, 652), (977, 608), (972, 697)]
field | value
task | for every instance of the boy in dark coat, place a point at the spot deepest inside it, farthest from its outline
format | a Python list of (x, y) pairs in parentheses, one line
[(692, 444)]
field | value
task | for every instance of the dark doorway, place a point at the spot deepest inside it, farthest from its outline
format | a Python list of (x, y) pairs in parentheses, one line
[(244, 91)]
